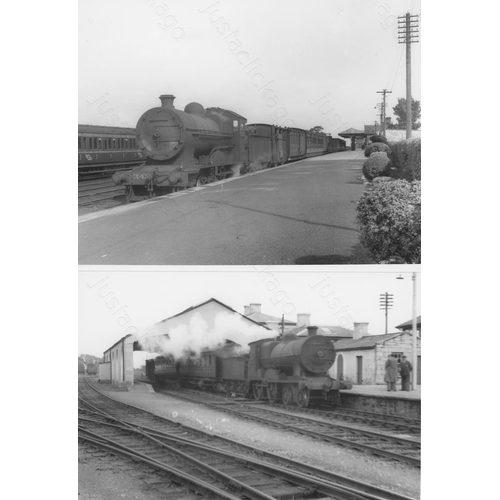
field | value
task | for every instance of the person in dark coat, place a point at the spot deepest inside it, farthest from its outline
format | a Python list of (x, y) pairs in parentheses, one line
[(405, 369), (391, 373)]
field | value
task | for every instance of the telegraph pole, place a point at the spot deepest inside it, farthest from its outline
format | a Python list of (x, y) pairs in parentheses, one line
[(408, 33), (382, 114), (386, 304)]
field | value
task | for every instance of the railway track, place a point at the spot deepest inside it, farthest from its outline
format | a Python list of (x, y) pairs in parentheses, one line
[(396, 423), (91, 191), (207, 464), (382, 445)]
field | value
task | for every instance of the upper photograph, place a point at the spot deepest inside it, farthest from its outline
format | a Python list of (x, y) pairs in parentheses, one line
[(228, 133)]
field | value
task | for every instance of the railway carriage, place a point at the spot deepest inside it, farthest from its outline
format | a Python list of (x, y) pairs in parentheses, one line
[(296, 144), (335, 145), (265, 145), (102, 148), (316, 144)]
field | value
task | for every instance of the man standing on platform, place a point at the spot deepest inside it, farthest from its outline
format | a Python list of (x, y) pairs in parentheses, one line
[(391, 373), (406, 369)]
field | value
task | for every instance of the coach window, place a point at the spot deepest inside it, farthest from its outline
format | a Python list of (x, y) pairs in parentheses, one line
[(79, 143), (236, 125), (126, 143), (113, 143)]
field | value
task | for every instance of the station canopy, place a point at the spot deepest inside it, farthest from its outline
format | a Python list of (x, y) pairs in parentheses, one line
[(352, 132)]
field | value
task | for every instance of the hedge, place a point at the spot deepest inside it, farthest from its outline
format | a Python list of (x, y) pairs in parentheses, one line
[(406, 159), (378, 138), (390, 220), (377, 147), (377, 165)]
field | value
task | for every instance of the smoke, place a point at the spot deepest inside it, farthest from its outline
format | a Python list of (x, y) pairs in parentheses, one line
[(237, 169), (192, 338)]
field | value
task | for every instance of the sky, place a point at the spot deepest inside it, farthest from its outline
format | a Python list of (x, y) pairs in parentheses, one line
[(114, 303), (292, 63)]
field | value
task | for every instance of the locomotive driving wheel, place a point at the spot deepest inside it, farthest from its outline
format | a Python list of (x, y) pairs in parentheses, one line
[(257, 392), (287, 395), (303, 398), (201, 181), (272, 392)]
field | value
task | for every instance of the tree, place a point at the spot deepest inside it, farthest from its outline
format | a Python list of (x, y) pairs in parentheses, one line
[(317, 128), (400, 111)]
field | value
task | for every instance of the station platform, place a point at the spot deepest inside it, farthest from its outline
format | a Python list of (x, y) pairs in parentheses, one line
[(378, 399)]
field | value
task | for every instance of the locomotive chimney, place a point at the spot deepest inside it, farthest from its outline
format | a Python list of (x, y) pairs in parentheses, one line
[(167, 101), (360, 330), (303, 319), (312, 330)]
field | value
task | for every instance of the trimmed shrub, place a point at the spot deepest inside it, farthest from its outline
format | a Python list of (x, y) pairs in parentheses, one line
[(377, 165), (406, 159), (378, 138), (377, 147), (390, 220)]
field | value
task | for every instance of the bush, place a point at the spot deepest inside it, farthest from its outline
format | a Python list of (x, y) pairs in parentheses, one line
[(378, 138), (390, 219), (377, 165), (377, 147), (406, 159)]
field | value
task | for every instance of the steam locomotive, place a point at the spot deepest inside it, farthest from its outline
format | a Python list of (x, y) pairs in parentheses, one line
[(198, 146), (291, 370)]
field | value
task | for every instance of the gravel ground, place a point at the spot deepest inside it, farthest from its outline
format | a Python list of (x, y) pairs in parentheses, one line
[(393, 476)]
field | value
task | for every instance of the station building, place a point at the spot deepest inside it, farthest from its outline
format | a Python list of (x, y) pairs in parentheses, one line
[(362, 358)]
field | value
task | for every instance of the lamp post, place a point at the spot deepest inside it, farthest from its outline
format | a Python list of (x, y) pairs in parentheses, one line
[(413, 329)]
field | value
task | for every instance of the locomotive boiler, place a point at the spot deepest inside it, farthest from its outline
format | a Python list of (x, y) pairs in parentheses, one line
[(294, 370), (184, 148)]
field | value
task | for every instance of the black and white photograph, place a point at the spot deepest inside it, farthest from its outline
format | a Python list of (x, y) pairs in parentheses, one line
[(270, 133), (249, 249), (250, 382)]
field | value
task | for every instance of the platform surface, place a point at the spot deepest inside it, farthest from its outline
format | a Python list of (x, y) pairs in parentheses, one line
[(381, 391)]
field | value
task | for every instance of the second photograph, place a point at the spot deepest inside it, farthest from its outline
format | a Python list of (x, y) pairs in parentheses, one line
[(271, 382)]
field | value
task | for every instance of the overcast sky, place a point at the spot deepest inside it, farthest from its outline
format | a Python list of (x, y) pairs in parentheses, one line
[(290, 62), (332, 297)]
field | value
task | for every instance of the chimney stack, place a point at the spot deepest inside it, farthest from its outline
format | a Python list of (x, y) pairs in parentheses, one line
[(303, 319), (247, 310), (312, 330), (360, 330), (167, 101), (254, 308)]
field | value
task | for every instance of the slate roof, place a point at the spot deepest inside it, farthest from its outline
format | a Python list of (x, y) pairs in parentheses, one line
[(351, 131), (366, 342), (265, 318), (407, 325), (192, 308), (325, 330)]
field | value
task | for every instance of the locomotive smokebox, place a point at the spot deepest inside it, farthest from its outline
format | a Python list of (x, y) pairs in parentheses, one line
[(312, 330), (167, 101)]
